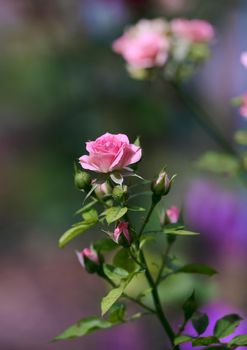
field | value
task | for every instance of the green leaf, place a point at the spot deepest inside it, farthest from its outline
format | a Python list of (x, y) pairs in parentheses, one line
[(111, 298), (122, 259), (226, 325), (74, 232), (181, 233), (90, 219), (90, 216), (116, 313), (136, 209), (189, 307), (86, 207), (182, 339), (205, 341), (219, 163), (241, 137), (114, 272), (115, 213), (198, 268), (239, 340), (83, 327), (146, 239), (200, 322), (105, 245)]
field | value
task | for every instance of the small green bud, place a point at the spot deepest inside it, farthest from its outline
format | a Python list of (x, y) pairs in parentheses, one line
[(162, 185), (119, 192), (82, 180)]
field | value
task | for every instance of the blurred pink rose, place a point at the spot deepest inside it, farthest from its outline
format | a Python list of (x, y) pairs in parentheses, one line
[(195, 30), (243, 106), (144, 45), (121, 233), (110, 152), (172, 214), (243, 59)]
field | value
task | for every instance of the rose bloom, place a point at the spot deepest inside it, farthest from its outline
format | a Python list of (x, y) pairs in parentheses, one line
[(110, 152), (144, 45), (243, 106), (172, 214), (243, 59), (195, 30)]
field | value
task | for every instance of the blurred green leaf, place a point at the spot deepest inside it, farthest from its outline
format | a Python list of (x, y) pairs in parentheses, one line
[(200, 322), (115, 213), (105, 245), (219, 163), (239, 340), (198, 268), (90, 216), (83, 327), (182, 339), (241, 137), (226, 325), (189, 307), (205, 341), (146, 239), (116, 313)]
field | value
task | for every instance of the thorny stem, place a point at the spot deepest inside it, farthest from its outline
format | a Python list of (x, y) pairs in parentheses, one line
[(158, 307)]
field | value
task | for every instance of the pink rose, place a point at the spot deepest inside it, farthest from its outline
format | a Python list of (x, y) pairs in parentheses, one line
[(172, 214), (195, 30), (121, 233), (243, 106), (144, 45), (110, 152), (243, 59)]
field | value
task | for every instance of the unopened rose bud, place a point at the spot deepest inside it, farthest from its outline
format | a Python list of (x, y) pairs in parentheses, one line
[(121, 234), (119, 192), (89, 259), (103, 190), (162, 185), (172, 215), (82, 180)]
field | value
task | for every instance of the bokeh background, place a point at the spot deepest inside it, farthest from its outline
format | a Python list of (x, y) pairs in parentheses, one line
[(62, 85)]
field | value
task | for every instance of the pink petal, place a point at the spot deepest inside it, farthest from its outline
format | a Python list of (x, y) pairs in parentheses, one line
[(87, 164)]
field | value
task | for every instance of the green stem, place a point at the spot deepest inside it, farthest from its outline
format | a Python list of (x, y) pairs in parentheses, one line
[(158, 307), (167, 252)]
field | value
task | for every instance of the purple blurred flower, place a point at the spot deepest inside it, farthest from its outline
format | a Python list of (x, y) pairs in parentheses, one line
[(218, 213), (216, 311)]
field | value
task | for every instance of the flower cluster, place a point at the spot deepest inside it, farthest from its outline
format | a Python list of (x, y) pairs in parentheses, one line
[(107, 180), (175, 47)]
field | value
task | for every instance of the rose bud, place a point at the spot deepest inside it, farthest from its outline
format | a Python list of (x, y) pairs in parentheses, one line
[(119, 192), (172, 215), (162, 185), (89, 259), (82, 180), (121, 234), (103, 189)]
